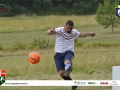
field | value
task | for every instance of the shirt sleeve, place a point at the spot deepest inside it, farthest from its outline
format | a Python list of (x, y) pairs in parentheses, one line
[(57, 30), (78, 33)]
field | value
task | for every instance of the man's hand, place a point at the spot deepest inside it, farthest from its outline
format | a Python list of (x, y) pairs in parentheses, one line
[(51, 31), (92, 34)]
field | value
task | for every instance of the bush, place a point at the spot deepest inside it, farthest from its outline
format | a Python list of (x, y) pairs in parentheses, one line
[(38, 44), (45, 44), (15, 47), (1, 48), (101, 45)]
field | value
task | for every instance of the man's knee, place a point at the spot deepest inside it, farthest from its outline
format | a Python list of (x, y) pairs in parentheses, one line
[(61, 73)]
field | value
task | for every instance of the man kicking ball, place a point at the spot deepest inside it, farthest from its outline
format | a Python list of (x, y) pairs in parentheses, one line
[(64, 48)]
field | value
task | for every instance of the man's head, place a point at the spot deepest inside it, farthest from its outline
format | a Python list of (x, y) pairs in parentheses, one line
[(69, 26)]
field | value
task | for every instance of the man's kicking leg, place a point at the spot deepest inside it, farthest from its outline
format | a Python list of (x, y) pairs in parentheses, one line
[(61, 73)]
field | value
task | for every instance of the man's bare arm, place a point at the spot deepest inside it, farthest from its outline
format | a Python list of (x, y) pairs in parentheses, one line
[(51, 31), (84, 34)]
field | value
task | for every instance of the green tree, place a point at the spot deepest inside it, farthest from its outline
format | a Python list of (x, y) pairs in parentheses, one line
[(105, 14)]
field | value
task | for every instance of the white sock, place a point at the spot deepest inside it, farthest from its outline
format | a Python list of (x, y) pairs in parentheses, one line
[(67, 66)]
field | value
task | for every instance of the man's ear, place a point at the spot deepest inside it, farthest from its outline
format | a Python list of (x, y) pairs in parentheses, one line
[(65, 27)]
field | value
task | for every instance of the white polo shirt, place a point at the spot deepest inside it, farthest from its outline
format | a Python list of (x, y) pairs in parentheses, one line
[(64, 40)]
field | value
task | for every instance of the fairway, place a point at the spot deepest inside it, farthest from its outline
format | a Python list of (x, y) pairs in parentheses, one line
[(90, 62)]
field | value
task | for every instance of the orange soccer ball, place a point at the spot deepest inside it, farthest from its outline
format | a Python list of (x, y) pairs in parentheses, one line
[(34, 57)]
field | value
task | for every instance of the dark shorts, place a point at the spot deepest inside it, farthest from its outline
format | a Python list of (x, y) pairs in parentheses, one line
[(61, 57)]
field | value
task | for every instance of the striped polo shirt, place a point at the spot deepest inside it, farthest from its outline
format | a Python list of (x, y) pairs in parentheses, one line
[(64, 40)]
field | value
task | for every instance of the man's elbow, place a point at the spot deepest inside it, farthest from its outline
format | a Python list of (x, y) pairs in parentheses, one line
[(82, 35), (48, 32)]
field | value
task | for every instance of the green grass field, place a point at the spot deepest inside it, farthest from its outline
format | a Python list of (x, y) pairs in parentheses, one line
[(90, 63)]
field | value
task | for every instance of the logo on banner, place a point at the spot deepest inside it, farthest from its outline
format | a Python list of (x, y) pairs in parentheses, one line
[(114, 83), (91, 82), (2, 76), (103, 83), (117, 10), (79, 83)]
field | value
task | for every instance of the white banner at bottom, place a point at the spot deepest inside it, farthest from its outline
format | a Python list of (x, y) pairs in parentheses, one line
[(61, 83)]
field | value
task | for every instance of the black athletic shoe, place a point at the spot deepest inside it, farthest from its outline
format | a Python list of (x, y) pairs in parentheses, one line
[(68, 71), (73, 87)]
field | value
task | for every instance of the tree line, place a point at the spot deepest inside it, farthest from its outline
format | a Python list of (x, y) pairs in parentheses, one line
[(50, 7), (104, 9)]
